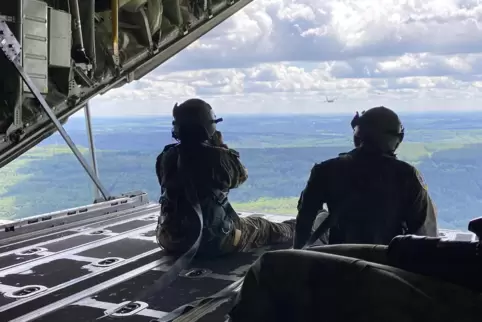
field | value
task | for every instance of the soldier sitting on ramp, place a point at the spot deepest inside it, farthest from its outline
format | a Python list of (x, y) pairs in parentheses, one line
[(371, 195), (213, 169)]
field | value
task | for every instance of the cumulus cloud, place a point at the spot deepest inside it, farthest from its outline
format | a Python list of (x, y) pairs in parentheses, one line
[(290, 55)]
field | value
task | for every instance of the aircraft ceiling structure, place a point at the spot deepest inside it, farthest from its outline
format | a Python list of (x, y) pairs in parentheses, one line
[(74, 50)]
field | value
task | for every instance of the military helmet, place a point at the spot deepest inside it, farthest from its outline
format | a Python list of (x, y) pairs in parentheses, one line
[(194, 119), (379, 127)]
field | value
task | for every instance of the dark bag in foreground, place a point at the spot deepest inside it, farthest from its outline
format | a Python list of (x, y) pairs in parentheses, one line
[(458, 262), (294, 285)]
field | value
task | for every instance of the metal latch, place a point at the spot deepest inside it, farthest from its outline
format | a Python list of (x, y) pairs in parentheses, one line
[(32, 251), (100, 232), (109, 261), (127, 308), (25, 291), (197, 273), (150, 217)]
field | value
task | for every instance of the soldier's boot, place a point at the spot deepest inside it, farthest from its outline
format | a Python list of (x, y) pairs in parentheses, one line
[(282, 232)]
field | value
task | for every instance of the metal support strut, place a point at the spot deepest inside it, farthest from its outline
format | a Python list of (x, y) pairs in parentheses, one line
[(11, 48), (90, 137)]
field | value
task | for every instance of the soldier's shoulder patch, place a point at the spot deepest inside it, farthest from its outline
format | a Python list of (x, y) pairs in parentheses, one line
[(420, 179), (232, 151), (344, 157)]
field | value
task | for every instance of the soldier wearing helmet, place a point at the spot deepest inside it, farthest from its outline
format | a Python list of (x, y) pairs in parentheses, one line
[(371, 195), (214, 169)]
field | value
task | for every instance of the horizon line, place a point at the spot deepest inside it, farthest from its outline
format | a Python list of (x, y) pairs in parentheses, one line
[(246, 115)]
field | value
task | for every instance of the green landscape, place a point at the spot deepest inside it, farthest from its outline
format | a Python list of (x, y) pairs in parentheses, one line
[(278, 152)]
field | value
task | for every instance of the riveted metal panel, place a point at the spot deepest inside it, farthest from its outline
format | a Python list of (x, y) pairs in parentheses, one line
[(60, 38), (35, 44)]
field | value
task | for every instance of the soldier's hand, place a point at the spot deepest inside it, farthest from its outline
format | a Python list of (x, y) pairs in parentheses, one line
[(218, 139)]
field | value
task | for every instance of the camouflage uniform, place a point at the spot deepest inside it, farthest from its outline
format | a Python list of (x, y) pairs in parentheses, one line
[(332, 288), (372, 197), (211, 165), (257, 232)]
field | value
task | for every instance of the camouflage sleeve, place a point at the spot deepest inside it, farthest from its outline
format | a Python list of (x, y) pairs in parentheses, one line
[(422, 214), (310, 202), (230, 172)]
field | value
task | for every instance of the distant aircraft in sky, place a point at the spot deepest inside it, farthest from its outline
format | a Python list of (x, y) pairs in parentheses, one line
[(330, 100)]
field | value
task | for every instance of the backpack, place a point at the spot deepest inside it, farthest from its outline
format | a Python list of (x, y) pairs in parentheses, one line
[(219, 218)]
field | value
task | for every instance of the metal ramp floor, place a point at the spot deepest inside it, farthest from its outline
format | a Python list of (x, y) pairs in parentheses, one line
[(82, 271)]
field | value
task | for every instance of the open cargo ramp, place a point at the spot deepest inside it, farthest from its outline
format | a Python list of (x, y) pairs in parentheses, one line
[(84, 263)]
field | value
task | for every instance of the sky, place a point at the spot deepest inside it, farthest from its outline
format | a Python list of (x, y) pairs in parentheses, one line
[(287, 56)]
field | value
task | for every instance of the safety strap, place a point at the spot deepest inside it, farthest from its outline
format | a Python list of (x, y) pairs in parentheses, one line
[(224, 294), (228, 293), (328, 223), (185, 259), (320, 230)]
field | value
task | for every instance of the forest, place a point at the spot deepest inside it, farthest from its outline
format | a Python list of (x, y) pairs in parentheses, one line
[(278, 151)]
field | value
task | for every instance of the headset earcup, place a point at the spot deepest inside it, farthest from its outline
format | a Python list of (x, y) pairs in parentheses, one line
[(357, 131), (175, 131)]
